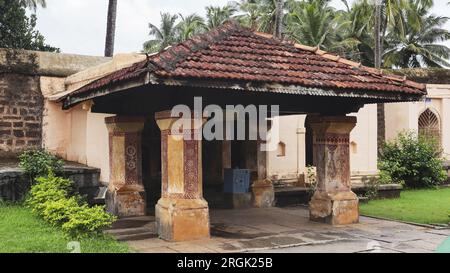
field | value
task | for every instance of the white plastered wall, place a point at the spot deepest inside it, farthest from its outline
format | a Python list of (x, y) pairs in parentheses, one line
[(404, 116), (363, 151)]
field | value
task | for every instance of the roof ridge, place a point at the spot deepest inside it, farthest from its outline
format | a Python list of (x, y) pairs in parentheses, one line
[(339, 59), (172, 55)]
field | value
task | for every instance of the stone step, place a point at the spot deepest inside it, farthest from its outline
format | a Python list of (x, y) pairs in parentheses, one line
[(136, 237), (128, 231)]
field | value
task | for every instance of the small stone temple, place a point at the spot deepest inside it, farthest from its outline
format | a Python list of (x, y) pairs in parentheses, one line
[(116, 116)]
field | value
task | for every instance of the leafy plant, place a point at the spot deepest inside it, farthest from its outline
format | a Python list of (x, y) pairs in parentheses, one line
[(38, 163), (413, 161), (85, 220), (49, 198), (18, 30), (58, 212), (47, 189)]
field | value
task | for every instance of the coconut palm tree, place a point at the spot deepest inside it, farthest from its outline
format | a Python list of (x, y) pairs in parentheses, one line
[(189, 26), (33, 4), (164, 35), (315, 23), (357, 36), (279, 16), (110, 28), (216, 16), (419, 47), (259, 14)]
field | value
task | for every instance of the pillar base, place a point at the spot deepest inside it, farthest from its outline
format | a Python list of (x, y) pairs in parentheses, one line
[(182, 219), (340, 208), (126, 203), (237, 200), (263, 194)]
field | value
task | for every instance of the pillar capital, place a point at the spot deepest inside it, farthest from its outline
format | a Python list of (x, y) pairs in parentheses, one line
[(166, 120), (124, 124), (333, 124)]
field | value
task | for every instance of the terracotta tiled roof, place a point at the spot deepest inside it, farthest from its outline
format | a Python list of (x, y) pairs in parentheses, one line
[(233, 53)]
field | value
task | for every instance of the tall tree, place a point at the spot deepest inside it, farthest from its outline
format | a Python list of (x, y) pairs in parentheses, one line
[(216, 16), (315, 23), (33, 4), (110, 28), (377, 34), (278, 29), (377, 59), (19, 31), (358, 41), (189, 26), (419, 46), (164, 35), (259, 14)]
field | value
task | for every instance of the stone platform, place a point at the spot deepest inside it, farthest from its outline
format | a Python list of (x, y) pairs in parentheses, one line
[(284, 230), (14, 183)]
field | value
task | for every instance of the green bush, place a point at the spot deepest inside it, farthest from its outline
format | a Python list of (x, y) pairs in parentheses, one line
[(49, 198), (413, 161), (37, 163), (46, 189), (58, 212), (86, 220)]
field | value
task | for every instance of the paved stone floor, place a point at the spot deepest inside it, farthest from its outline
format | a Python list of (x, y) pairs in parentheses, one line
[(289, 230)]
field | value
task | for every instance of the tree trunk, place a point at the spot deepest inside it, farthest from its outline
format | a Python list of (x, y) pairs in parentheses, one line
[(381, 126), (278, 30), (110, 28)]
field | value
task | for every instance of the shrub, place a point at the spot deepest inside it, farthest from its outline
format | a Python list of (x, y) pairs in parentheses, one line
[(58, 212), (413, 161), (50, 188), (37, 163), (49, 198), (85, 220)]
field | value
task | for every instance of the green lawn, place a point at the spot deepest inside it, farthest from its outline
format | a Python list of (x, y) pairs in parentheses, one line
[(418, 206), (21, 231)]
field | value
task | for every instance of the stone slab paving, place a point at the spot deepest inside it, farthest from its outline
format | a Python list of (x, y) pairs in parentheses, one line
[(289, 230)]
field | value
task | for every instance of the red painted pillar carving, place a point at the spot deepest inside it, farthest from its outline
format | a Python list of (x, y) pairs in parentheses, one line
[(126, 194), (181, 213), (333, 202)]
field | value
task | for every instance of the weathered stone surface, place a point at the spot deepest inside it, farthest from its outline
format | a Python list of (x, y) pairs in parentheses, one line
[(29, 62), (182, 219), (237, 200), (333, 202), (334, 208), (263, 194), (21, 105), (126, 194), (181, 213), (15, 184), (127, 203)]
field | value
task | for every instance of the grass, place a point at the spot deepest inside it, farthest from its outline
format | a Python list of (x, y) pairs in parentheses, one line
[(430, 206), (23, 232)]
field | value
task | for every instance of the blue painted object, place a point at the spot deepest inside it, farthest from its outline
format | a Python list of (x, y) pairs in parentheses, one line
[(236, 180)]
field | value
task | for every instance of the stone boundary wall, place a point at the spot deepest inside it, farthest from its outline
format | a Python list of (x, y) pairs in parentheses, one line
[(22, 75), (14, 183), (21, 107)]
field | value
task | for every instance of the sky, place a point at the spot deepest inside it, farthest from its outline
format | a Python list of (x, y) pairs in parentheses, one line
[(79, 26)]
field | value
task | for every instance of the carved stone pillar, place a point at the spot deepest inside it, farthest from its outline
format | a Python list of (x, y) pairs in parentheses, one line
[(181, 213), (126, 194), (226, 156), (262, 188), (333, 202)]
